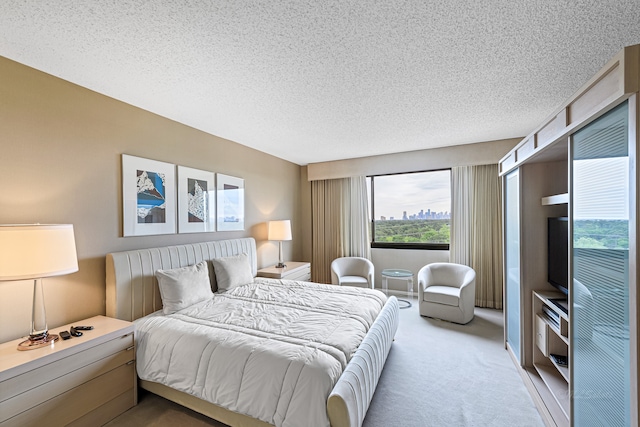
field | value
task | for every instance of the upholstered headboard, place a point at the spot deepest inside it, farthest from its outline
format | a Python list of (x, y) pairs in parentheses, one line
[(132, 288)]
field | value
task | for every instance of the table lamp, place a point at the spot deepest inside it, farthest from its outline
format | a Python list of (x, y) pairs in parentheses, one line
[(279, 230), (34, 252)]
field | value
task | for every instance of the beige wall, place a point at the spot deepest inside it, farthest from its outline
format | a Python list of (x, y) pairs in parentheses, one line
[(482, 153), (60, 154), (439, 158)]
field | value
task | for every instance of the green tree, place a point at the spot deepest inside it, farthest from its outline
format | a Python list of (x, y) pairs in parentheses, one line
[(413, 231)]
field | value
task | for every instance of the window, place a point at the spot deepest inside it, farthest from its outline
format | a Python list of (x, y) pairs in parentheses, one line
[(411, 210)]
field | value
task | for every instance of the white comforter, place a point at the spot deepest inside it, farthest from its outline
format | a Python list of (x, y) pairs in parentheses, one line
[(272, 349)]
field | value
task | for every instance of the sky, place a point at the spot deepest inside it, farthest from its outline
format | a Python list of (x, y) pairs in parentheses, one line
[(596, 195), (412, 192)]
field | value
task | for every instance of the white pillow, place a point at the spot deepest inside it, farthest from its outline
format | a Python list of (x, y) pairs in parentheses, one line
[(232, 271), (182, 287)]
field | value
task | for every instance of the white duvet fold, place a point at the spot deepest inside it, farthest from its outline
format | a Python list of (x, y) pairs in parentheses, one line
[(272, 349)]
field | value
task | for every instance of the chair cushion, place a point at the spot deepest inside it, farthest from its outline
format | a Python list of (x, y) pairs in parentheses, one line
[(354, 281), (447, 295)]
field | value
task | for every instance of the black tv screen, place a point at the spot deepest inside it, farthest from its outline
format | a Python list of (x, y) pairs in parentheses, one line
[(558, 253)]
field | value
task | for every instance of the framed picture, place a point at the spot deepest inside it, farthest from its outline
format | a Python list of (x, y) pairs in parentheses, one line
[(230, 202), (148, 196), (196, 200)]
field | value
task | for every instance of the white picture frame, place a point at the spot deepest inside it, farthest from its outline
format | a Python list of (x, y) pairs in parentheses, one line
[(230, 202), (148, 196), (196, 200)]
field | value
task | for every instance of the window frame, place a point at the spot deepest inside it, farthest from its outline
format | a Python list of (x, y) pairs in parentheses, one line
[(402, 245)]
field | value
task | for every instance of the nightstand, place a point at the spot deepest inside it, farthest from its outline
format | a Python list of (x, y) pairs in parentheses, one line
[(292, 271), (85, 380)]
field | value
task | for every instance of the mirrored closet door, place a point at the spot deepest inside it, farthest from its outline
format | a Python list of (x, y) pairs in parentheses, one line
[(600, 362)]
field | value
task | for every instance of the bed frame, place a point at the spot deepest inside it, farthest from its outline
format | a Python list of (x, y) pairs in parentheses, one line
[(132, 292)]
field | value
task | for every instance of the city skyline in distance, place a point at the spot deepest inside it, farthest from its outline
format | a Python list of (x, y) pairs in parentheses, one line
[(429, 214), (412, 193)]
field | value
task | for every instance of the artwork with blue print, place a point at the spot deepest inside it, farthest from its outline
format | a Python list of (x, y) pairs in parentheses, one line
[(151, 197)]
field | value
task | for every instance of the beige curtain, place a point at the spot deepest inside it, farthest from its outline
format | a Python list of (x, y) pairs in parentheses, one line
[(476, 228), (461, 201), (340, 223)]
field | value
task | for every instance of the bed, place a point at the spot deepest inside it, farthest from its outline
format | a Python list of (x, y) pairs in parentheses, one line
[(133, 294)]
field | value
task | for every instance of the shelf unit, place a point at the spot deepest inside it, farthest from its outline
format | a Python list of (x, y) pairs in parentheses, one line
[(542, 177), (557, 199), (551, 338)]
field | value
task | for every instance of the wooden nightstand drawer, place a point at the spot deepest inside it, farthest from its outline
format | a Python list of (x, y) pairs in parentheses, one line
[(85, 380), (43, 391), (293, 271), (98, 356), (104, 413), (303, 273), (78, 401)]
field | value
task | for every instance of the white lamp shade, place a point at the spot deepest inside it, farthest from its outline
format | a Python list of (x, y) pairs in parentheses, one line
[(279, 230), (36, 251)]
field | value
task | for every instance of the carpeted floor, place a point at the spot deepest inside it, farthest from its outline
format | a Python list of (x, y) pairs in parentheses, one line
[(438, 374)]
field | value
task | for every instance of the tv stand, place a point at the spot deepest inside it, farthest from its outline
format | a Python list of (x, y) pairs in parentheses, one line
[(551, 337), (561, 303)]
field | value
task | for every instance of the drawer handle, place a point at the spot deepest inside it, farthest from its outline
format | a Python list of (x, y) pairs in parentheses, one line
[(130, 348), (130, 362), (127, 335)]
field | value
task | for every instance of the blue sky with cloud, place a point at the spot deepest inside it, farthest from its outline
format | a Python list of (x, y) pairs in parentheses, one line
[(412, 192)]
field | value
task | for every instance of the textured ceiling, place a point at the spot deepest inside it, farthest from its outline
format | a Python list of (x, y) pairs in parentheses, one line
[(318, 80)]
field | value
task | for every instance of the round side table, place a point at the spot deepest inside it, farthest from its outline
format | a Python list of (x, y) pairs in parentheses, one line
[(397, 273)]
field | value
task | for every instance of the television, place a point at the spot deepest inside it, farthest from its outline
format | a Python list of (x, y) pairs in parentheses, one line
[(558, 253)]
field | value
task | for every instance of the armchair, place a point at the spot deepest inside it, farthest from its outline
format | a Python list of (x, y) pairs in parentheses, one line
[(352, 271), (447, 291)]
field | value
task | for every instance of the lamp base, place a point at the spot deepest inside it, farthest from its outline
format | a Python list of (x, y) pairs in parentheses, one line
[(33, 344), (280, 265)]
